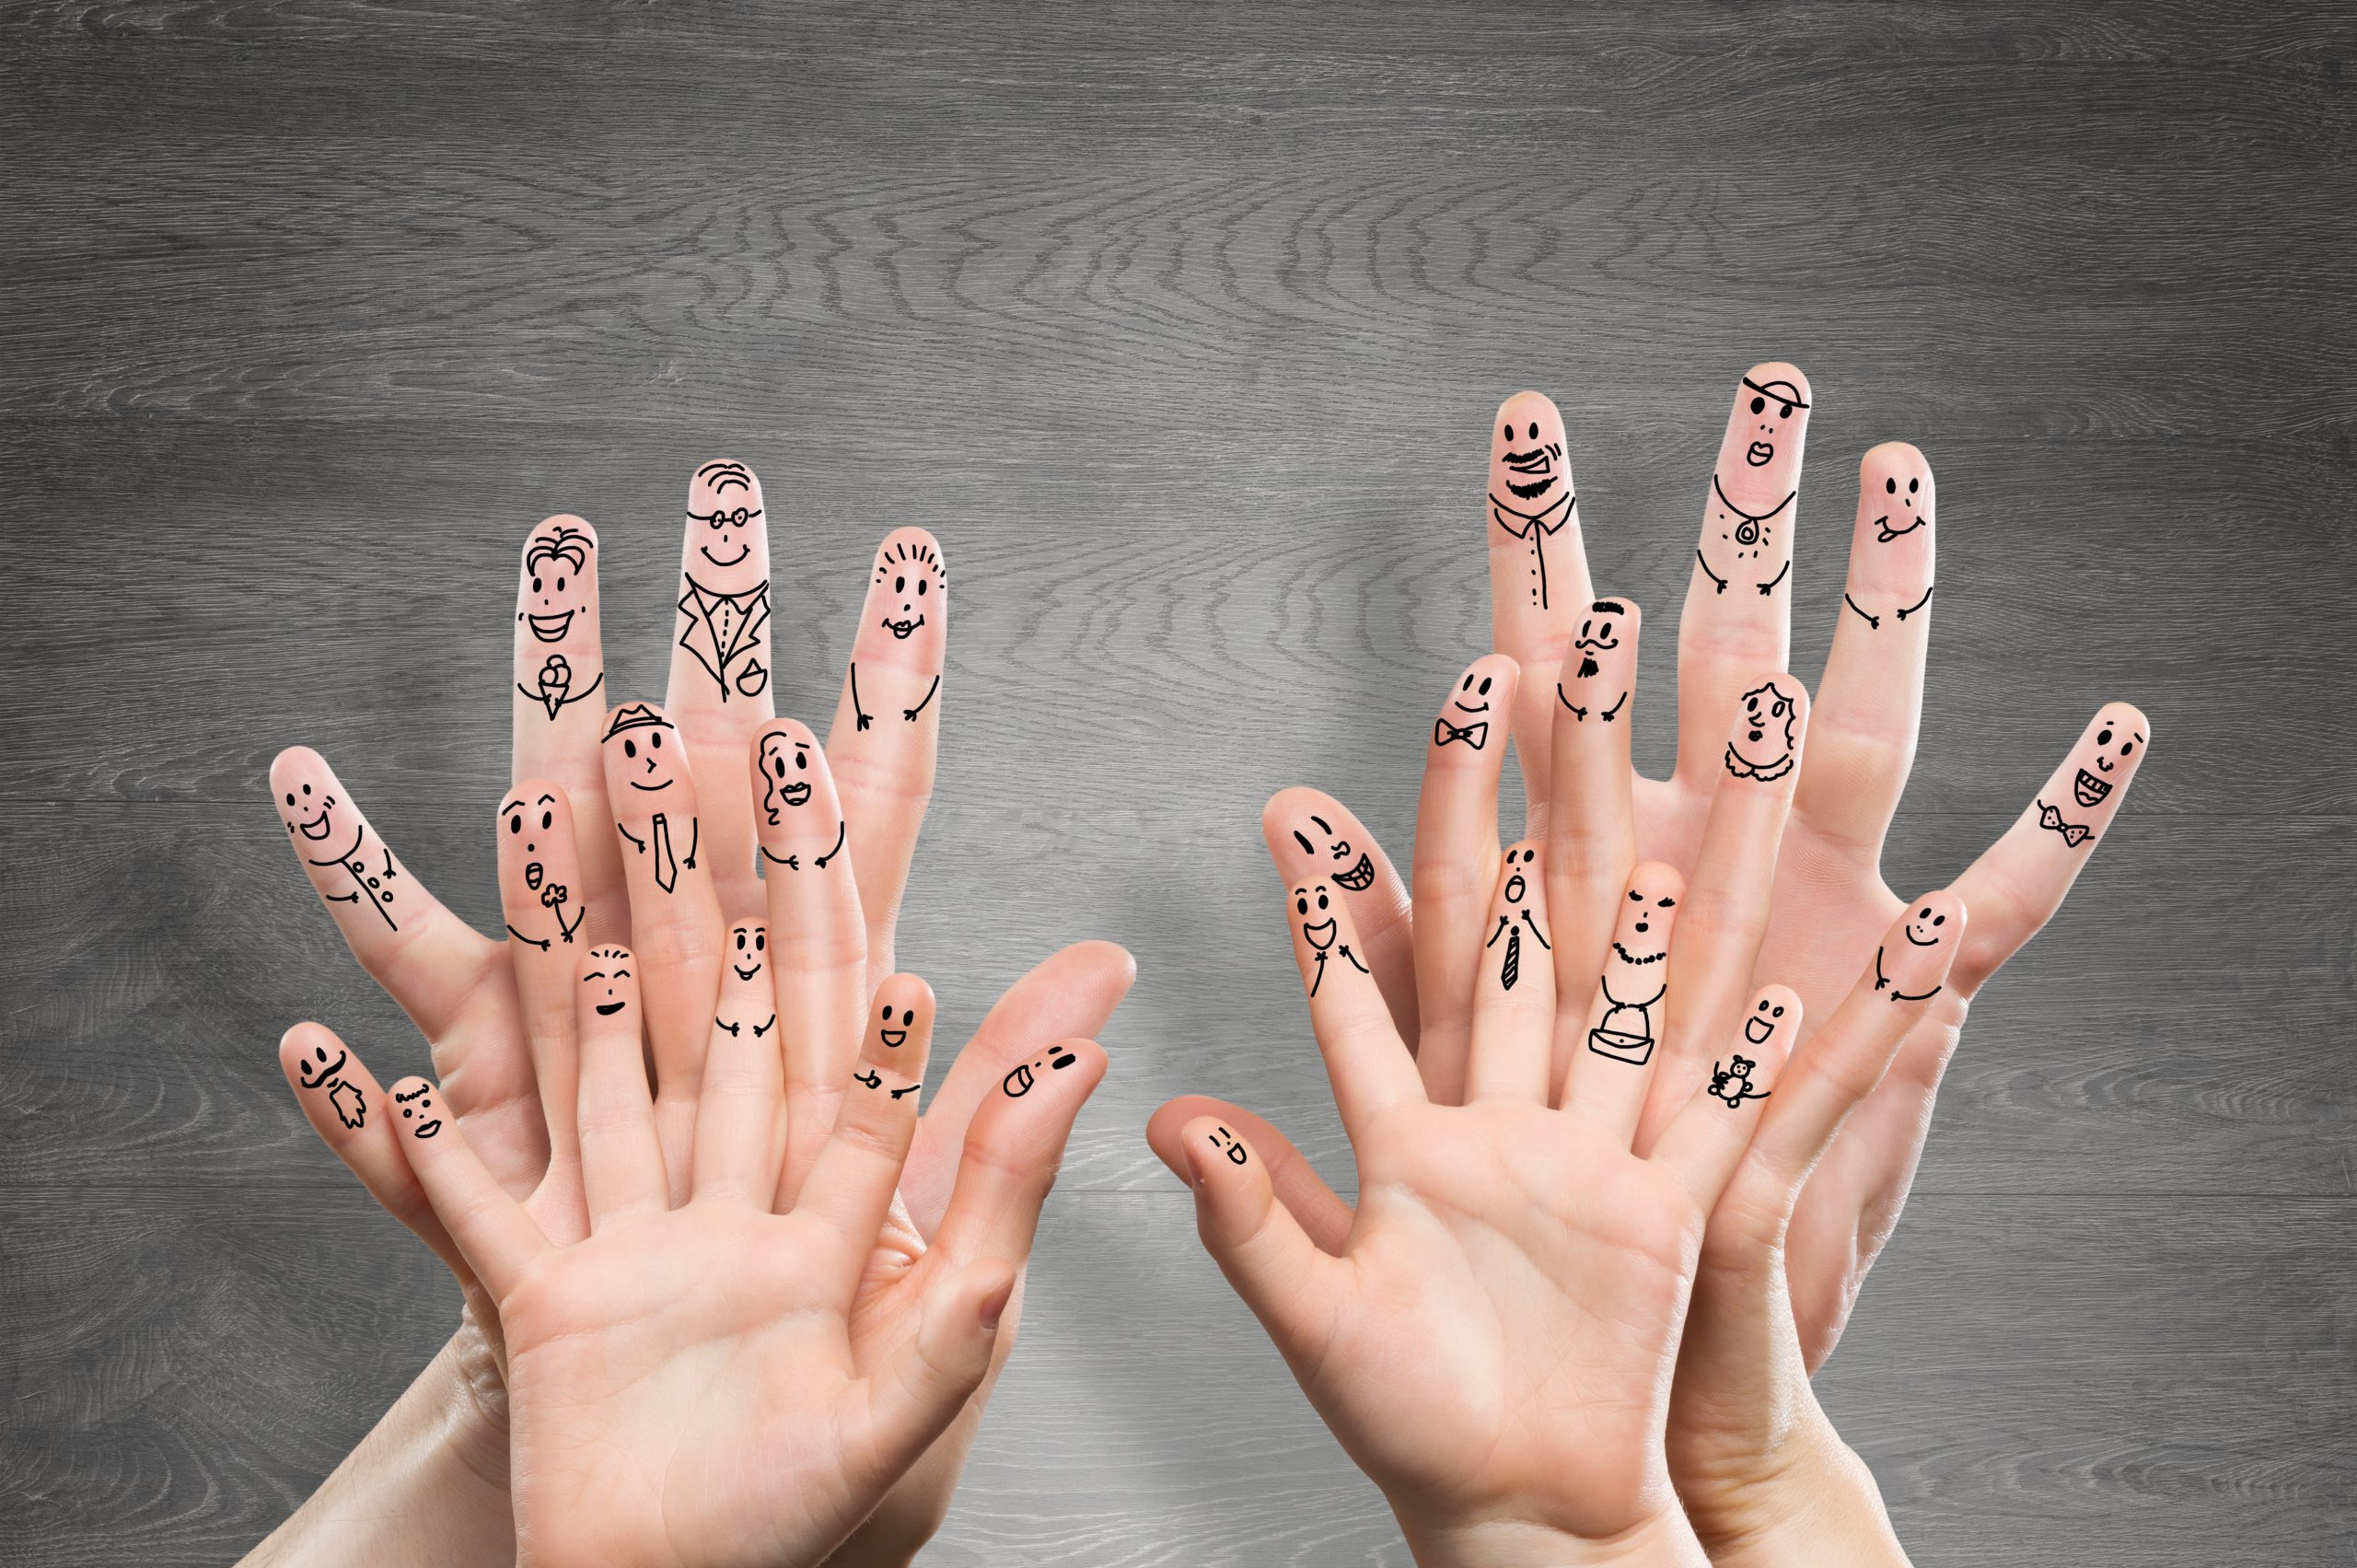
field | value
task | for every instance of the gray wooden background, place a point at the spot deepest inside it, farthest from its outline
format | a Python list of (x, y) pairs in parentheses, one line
[(1182, 326)]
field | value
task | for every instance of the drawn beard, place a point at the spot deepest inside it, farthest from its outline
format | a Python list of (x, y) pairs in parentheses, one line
[(1587, 666)]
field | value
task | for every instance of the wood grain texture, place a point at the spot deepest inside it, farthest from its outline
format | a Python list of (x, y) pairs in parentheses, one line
[(1182, 327)]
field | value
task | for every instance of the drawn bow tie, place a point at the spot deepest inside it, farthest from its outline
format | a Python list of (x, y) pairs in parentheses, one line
[(1473, 734), (2074, 833)]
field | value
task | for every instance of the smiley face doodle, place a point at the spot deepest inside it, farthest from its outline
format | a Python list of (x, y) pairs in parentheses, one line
[(1762, 747), (1760, 1027), (1467, 698), (1314, 905), (312, 821), (1921, 929), (1358, 876), (1625, 1032), (343, 1095), (1024, 1075), (1530, 494), (1229, 1146), (419, 1110), (723, 628), (605, 982), (520, 817), (1599, 633), (641, 731), (1733, 1082), (917, 577), (2115, 743), (556, 565), (785, 767), (1521, 868), (1903, 513), (895, 1035), (1784, 399)]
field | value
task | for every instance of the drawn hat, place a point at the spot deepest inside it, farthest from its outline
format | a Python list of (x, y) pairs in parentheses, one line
[(1780, 390), (633, 716)]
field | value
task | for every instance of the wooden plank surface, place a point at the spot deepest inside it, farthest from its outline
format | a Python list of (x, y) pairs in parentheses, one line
[(1181, 326)]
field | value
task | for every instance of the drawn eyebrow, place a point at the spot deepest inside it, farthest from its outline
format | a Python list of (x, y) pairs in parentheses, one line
[(1321, 824), (593, 974), (1305, 843), (621, 974), (546, 800), (515, 805)]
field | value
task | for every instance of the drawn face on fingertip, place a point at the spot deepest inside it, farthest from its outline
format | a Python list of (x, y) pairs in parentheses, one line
[(908, 588), (604, 980), (1761, 747), (1643, 936), (1760, 1027), (749, 950), (1354, 867), (317, 821), (2119, 737), (1020, 1078), (1528, 474), (1472, 708), (644, 748), (527, 822), (786, 773), (1770, 419), (1924, 927), (1230, 1146), (1313, 907), (728, 533), (421, 1112), (1521, 872), (896, 1018), (1895, 493), (554, 597)]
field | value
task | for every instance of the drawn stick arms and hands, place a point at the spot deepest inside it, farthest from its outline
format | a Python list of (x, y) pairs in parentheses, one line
[(1538, 577), (723, 663), (558, 707), (1891, 547)]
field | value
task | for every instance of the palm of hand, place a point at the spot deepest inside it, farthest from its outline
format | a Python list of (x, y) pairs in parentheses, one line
[(1541, 1273), (678, 1392)]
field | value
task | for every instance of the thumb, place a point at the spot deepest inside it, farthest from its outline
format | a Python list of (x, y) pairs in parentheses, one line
[(1258, 1245), (914, 1395)]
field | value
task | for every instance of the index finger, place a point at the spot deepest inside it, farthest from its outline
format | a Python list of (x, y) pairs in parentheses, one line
[(558, 674), (719, 694), (1538, 581)]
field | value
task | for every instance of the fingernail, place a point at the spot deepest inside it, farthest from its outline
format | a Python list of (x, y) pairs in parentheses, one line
[(994, 1307)]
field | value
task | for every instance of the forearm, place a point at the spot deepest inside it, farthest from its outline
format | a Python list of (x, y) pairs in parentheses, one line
[(1664, 1541), (1818, 1508), (427, 1486)]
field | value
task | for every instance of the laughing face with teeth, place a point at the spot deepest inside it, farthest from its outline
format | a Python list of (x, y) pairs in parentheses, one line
[(1358, 868), (333, 840), (2116, 742), (557, 656)]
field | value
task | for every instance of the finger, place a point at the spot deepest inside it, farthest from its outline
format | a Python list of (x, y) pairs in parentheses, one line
[(1538, 582), (1013, 1148), (1513, 999), (1310, 835), (911, 1400), (738, 1126), (1456, 865), (1840, 1062), (1871, 699), (343, 1105), (1281, 1275), (2019, 881), (622, 1158), (1591, 842), (1607, 1082), (1738, 598), (560, 707), (1706, 1140), (721, 656), (887, 724), (819, 943), (426, 959), (1366, 1063), (539, 883), (1724, 916), (851, 1183), (674, 914), (1321, 1211), (492, 1229), (1071, 993)]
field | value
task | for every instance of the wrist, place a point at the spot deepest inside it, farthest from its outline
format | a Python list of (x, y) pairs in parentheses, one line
[(1812, 1501), (1661, 1541)]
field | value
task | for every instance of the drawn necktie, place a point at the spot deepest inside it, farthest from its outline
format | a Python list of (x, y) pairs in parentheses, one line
[(667, 870), (1513, 970)]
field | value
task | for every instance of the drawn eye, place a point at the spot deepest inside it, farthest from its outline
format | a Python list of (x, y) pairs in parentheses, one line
[(1507, 431), (560, 585), (1534, 430), (515, 823), (801, 760), (536, 585), (1669, 904), (1925, 915), (2103, 738), (307, 789), (1784, 412), (919, 588), (290, 798), (2126, 747), (548, 820), (1635, 897), (1468, 686), (656, 740), (1301, 906), (740, 941), (1911, 484), (630, 747), (1890, 486), (1321, 898), (1939, 920), (1485, 687), (1607, 630), (899, 585), (777, 765), (760, 941), (1758, 404), (1779, 1013)]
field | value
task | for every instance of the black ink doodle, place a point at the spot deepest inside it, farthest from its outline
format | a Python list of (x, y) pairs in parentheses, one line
[(1320, 934), (752, 942), (1763, 746), (872, 1078), (553, 896), (1018, 1080), (553, 689), (1884, 532), (1929, 938), (1528, 475), (2091, 790), (910, 714), (909, 1090), (1359, 878), (894, 1039), (913, 570), (1625, 1032), (417, 1103), (1751, 534), (724, 629), (549, 558), (1229, 1144), (1760, 1027), (777, 792), (375, 887), (2074, 833), (1786, 396), (615, 1002), (864, 717), (1475, 734), (1596, 636), (1918, 604), (655, 778), (1733, 1083), (1516, 918), (350, 1106), (793, 862)]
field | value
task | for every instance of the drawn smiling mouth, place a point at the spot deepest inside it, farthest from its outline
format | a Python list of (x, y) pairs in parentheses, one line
[(1320, 935), (1462, 708), (901, 629), (1756, 1030), (326, 1071), (1759, 454), (893, 1038), (316, 829), (648, 787), (706, 551), (550, 628), (1931, 942), (608, 1009), (1359, 878), (1889, 533), (747, 974), (2090, 789)]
